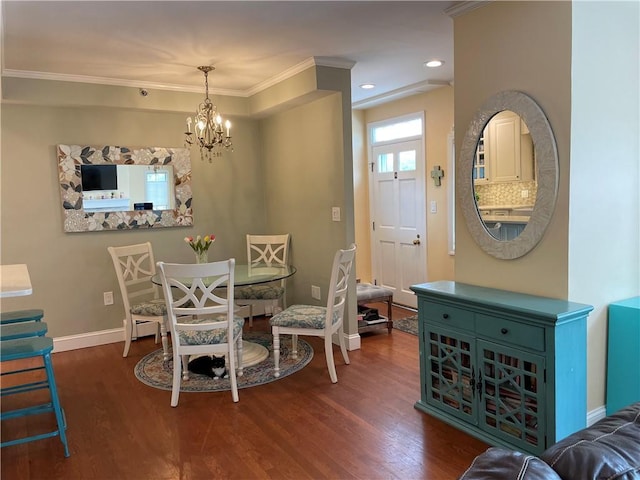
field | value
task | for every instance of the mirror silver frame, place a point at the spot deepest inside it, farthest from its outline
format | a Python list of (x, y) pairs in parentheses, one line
[(546, 155), (76, 219)]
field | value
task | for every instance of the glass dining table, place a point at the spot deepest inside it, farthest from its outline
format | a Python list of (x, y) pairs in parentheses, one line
[(252, 353)]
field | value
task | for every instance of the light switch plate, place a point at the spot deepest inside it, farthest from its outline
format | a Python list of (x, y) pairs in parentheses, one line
[(315, 292), (108, 298), (335, 214)]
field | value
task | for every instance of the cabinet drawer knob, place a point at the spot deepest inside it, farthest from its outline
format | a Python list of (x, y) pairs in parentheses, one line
[(504, 331), (445, 315)]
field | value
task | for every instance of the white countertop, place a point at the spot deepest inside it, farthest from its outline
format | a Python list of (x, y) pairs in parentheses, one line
[(505, 207), (14, 281), (505, 218)]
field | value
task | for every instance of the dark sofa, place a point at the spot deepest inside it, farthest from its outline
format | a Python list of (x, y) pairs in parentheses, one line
[(608, 449)]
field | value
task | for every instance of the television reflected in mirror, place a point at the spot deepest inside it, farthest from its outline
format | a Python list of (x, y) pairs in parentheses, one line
[(99, 177), (104, 188)]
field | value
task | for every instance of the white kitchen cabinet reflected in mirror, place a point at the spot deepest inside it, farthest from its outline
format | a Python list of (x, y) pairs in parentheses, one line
[(504, 183), (118, 188)]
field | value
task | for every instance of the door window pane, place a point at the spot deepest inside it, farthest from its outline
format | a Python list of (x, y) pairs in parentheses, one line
[(407, 161), (409, 128), (385, 163)]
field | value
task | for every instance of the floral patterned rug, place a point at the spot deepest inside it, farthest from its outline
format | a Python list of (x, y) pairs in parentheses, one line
[(152, 371), (408, 324)]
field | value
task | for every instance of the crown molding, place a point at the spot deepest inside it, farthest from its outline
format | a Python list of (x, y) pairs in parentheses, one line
[(460, 8), (118, 82), (309, 62), (300, 67), (413, 89)]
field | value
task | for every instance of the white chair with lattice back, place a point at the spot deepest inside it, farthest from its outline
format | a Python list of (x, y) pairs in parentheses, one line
[(201, 317), (265, 251), (318, 321), (135, 265)]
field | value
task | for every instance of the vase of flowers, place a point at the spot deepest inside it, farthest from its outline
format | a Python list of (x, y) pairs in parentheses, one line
[(200, 246)]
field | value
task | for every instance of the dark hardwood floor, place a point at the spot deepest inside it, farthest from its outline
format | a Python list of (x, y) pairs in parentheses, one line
[(300, 427)]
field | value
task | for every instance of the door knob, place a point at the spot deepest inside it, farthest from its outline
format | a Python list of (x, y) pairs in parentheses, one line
[(417, 240)]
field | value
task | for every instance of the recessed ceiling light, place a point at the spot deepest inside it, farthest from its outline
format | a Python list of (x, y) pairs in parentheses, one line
[(433, 63), (368, 86)]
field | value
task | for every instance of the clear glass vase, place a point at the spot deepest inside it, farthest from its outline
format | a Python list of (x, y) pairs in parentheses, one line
[(202, 257)]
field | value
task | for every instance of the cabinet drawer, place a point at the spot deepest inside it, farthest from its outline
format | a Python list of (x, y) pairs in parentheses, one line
[(515, 333), (446, 315)]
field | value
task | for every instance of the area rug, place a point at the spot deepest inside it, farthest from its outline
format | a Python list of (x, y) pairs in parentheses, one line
[(408, 324), (152, 371)]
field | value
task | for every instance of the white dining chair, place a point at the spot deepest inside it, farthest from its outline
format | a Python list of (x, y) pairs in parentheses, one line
[(135, 265), (201, 317), (318, 321), (265, 251)]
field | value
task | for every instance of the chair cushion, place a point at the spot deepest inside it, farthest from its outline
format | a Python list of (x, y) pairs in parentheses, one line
[(366, 291), (610, 448), (259, 292), (208, 337), (151, 308), (303, 316), (500, 464)]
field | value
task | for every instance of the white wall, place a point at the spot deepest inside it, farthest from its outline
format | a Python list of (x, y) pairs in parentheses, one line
[(604, 207)]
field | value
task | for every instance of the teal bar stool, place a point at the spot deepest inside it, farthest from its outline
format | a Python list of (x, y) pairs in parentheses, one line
[(17, 316), (13, 331), (23, 348)]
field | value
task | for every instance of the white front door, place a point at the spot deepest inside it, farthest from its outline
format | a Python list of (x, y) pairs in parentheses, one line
[(398, 218)]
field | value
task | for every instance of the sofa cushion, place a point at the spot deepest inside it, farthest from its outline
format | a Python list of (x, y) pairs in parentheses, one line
[(609, 449), (500, 464)]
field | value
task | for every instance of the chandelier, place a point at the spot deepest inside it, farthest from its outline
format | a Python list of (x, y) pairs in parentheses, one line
[(210, 136)]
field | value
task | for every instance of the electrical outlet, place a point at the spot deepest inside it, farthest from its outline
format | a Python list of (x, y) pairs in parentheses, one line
[(108, 298), (315, 292), (434, 206)]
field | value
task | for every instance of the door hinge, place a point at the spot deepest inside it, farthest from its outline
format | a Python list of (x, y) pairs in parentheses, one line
[(373, 225), (544, 375), (371, 167)]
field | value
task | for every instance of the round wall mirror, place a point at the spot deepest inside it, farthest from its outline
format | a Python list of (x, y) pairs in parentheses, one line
[(508, 175)]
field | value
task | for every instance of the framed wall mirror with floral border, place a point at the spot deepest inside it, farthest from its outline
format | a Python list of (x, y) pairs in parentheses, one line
[(121, 188)]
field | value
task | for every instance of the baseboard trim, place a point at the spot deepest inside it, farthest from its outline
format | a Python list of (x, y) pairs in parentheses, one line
[(596, 414), (353, 342), (85, 340), (115, 335)]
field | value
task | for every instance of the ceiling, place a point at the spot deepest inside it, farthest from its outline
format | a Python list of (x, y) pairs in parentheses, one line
[(159, 44)]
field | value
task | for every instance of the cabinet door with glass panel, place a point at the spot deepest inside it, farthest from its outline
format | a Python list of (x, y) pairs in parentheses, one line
[(450, 372)]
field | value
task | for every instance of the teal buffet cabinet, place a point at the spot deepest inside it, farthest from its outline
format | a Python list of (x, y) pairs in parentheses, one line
[(505, 367)]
